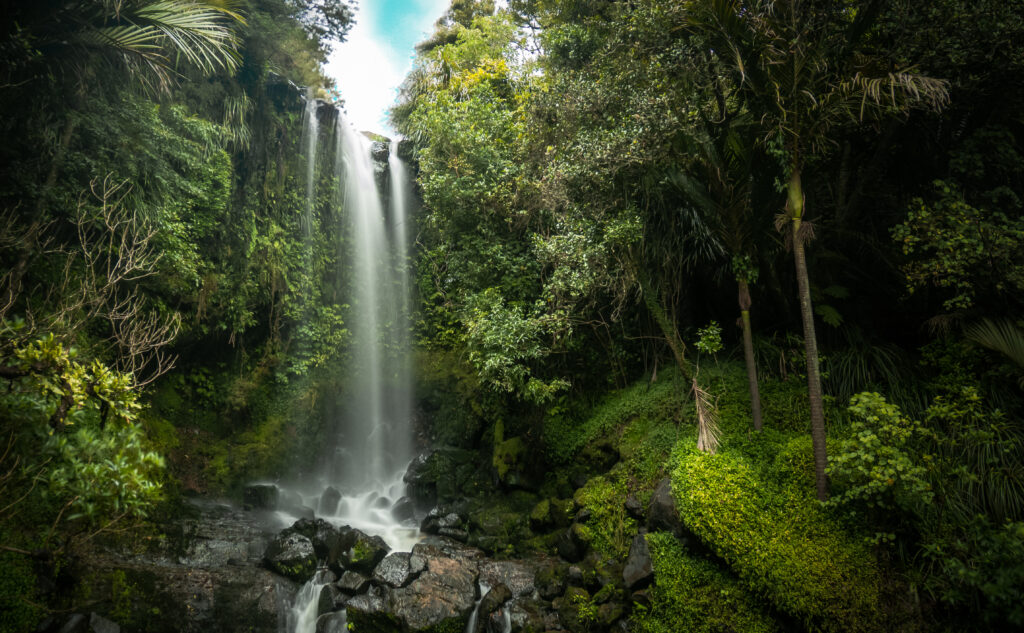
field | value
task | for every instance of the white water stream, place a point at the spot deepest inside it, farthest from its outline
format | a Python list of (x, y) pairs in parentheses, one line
[(371, 443)]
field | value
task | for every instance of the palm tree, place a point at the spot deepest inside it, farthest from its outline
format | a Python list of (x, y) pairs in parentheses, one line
[(798, 66)]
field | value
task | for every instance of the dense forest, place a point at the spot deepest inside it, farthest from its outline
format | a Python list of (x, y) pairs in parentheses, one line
[(759, 262)]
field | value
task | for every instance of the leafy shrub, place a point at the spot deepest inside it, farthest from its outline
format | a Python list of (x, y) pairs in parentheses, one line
[(877, 465), (780, 543), (609, 529), (694, 595)]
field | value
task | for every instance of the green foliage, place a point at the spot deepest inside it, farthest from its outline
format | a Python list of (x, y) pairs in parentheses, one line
[(875, 465), (961, 248), (691, 594), (609, 529), (780, 543), (709, 338), (18, 601)]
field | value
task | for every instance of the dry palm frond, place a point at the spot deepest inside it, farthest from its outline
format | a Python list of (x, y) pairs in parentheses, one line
[(707, 419)]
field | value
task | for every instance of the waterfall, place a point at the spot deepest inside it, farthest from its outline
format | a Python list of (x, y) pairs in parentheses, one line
[(369, 445), (301, 618), (308, 147)]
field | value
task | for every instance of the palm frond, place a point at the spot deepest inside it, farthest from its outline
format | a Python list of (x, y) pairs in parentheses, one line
[(1000, 336), (708, 433)]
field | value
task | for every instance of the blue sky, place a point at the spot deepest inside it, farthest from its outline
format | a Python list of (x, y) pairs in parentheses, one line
[(369, 66)]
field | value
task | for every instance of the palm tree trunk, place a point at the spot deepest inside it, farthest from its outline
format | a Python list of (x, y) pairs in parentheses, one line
[(748, 355), (666, 326), (796, 212)]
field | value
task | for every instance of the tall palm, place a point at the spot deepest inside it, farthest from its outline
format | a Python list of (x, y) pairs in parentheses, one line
[(798, 65), (718, 182)]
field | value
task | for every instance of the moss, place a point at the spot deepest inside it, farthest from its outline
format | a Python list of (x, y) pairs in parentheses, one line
[(694, 595), (609, 530), (778, 541), (508, 456), (19, 609)]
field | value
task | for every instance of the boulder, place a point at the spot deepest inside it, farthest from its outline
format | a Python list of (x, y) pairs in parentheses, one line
[(550, 580), (662, 515), (404, 509), (568, 608), (379, 150), (524, 614), (371, 612), (365, 554), (443, 475), (260, 497), (353, 582), (329, 600), (609, 613), (638, 572), (516, 576), (572, 544), (439, 519), (634, 508), (291, 555), (441, 598), (92, 623), (395, 570), (329, 499), (327, 540), (493, 600)]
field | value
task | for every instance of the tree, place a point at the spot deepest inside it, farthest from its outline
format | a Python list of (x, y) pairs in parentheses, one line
[(800, 65)]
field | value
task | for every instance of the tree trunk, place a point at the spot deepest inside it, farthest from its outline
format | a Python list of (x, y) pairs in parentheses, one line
[(668, 329), (748, 356), (795, 206)]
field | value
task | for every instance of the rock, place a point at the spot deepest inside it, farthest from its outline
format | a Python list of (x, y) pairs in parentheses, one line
[(365, 554), (371, 612), (441, 598), (404, 509), (291, 555), (525, 615), (572, 544), (329, 600), (395, 570), (662, 514), (379, 150), (609, 613), (260, 497), (634, 508), (491, 602), (638, 572), (550, 581), (99, 624), (336, 622), (574, 576), (540, 516), (329, 499), (327, 540), (443, 475), (516, 576), (76, 623), (438, 520), (406, 150), (568, 608), (642, 598), (353, 582)]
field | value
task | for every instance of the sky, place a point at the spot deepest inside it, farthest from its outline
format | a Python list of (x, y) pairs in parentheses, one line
[(371, 64)]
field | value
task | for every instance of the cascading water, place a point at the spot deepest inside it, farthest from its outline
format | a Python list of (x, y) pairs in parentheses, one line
[(363, 463)]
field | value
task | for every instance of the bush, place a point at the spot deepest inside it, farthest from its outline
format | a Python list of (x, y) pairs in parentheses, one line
[(694, 595), (780, 543)]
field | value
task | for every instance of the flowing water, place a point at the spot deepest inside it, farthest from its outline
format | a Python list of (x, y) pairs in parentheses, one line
[(371, 442)]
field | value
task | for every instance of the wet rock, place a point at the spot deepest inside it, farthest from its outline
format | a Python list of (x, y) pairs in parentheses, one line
[(642, 598), (379, 150), (291, 555), (329, 600), (634, 508), (439, 519), (326, 538), (497, 596), (353, 582), (444, 475), (329, 499), (526, 615), (260, 497), (662, 514), (638, 572), (371, 612), (516, 576), (441, 598), (572, 545), (550, 581), (540, 516), (574, 576), (365, 554), (332, 623), (404, 509), (406, 150), (395, 570)]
